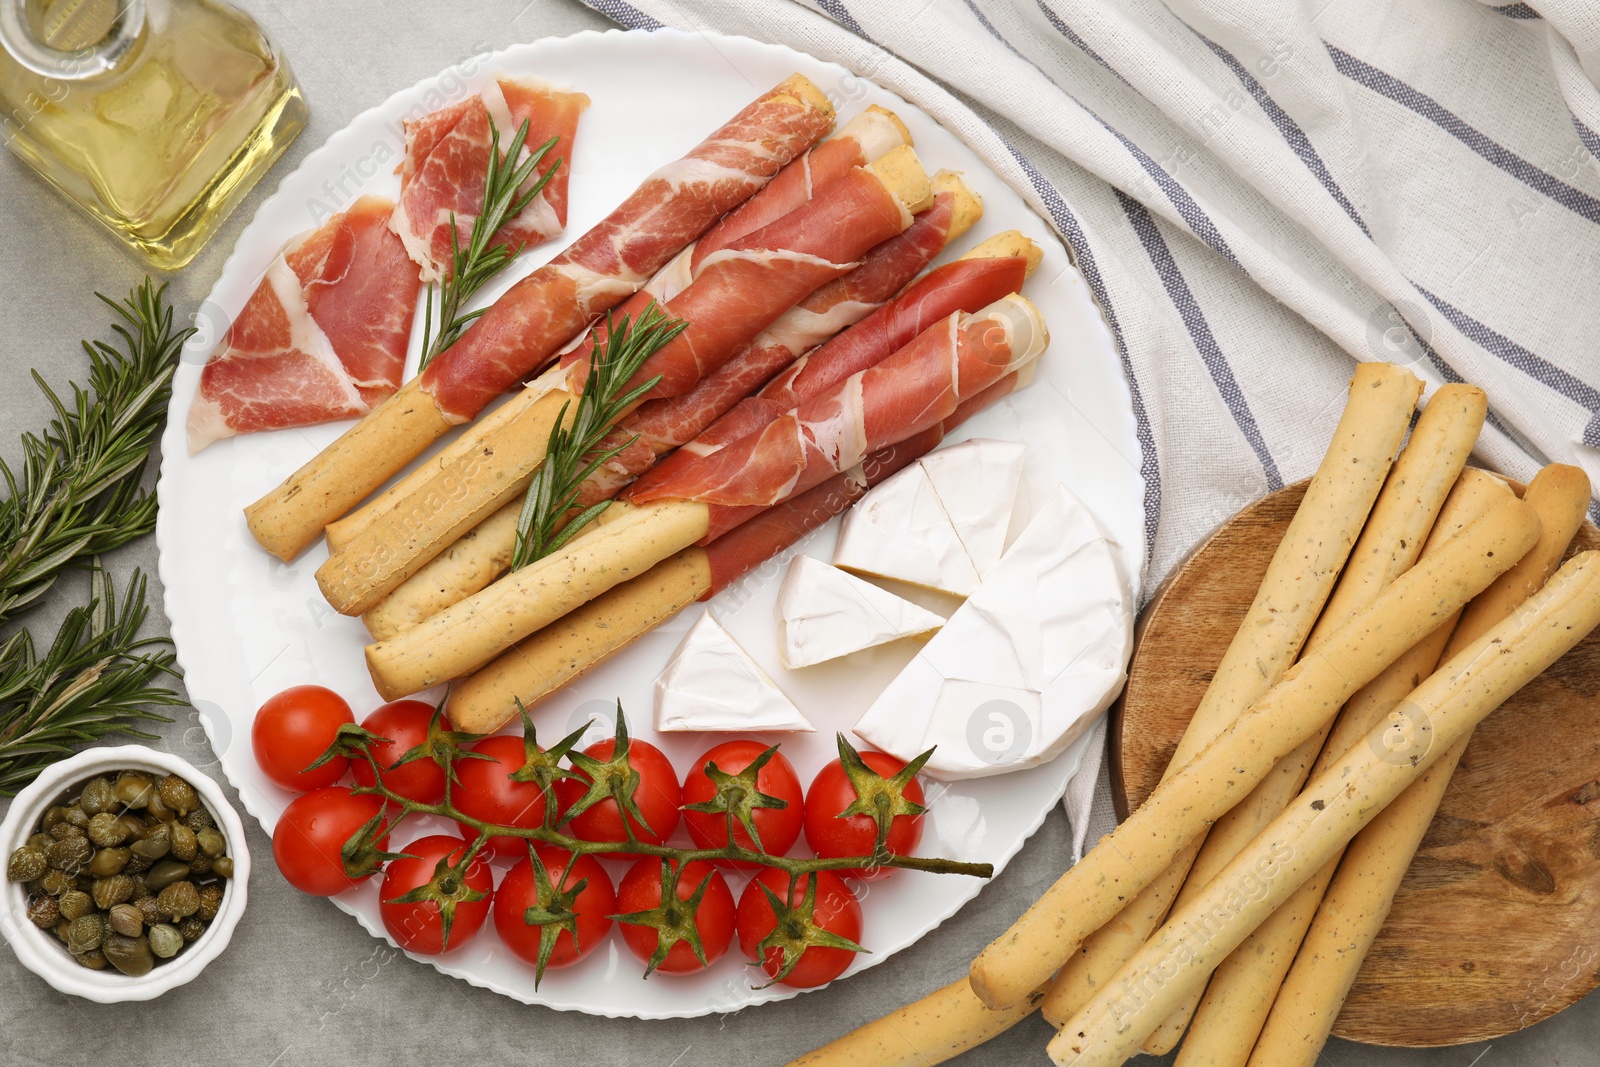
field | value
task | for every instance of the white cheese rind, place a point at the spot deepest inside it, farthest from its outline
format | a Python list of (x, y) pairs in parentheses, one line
[(1022, 669), (711, 684), (976, 483), (825, 613), (899, 530)]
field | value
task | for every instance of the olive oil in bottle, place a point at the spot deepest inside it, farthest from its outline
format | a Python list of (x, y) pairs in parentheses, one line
[(155, 117)]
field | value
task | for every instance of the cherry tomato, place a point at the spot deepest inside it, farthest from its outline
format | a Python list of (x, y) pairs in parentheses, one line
[(658, 797), (295, 727), (640, 890), (779, 828), (405, 724), (312, 830), (830, 836), (485, 791), (595, 904), (419, 927), (836, 911)]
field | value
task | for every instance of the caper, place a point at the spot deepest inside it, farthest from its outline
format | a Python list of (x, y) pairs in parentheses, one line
[(149, 910), (137, 864), (165, 940), (53, 816), (44, 912), (76, 816), (54, 882), (157, 808), (133, 823), (75, 904), (184, 845), (84, 882), (222, 865), (133, 789), (63, 831), (108, 861), (210, 901), (199, 819), (69, 855), (179, 900), (95, 960), (60, 930), (157, 842), (191, 929), (211, 842), (117, 889), (130, 955), (164, 874), (106, 830), (178, 794), (85, 932), (126, 920), (40, 841), (27, 864), (201, 864), (96, 796)]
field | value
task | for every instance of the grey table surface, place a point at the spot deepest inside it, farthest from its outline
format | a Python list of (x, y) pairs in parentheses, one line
[(302, 983)]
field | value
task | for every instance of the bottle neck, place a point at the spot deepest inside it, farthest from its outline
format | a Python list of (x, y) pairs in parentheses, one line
[(72, 40)]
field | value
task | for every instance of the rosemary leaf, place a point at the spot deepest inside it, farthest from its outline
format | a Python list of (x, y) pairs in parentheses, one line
[(573, 452), (473, 266)]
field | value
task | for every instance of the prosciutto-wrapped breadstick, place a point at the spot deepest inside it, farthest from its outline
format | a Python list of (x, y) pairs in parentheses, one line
[(447, 155), (539, 314), (986, 273), (741, 291), (579, 641), (909, 392)]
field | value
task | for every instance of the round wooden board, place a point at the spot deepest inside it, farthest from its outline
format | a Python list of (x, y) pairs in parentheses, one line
[(1497, 925)]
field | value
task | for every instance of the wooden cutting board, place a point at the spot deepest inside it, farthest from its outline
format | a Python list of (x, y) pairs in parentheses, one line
[(1497, 925)]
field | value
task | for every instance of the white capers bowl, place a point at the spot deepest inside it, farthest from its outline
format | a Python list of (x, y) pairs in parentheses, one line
[(42, 953)]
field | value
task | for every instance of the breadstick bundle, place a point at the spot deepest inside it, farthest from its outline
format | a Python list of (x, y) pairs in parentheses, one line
[(1409, 582)]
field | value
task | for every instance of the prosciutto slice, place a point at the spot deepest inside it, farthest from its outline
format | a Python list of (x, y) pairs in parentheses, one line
[(752, 543), (917, 387), (323, 336), (604, 266), (447, 155), (659, 426)]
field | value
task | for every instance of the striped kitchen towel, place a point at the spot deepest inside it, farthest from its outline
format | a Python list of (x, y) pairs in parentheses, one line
[(1261, 192)]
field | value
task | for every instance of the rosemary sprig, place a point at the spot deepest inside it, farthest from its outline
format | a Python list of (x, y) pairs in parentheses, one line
[(574, 452), (472, 267), (97, 678), (77, 493)]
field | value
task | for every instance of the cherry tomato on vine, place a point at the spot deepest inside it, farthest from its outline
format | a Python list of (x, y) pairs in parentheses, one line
[(312, 830), (405, 724), (418, 926), (292, 729), (594, 906), (835, 910), (831, 793), (778, 828), (658, 797), (484, 790), (640, 891)]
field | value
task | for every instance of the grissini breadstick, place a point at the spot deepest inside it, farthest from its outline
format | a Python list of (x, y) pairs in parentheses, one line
[(536, 316), (1292, 594), (1186, 803), (940, 1026), (868, 136), (1333, 808), (948, 363), (1240, 994), (540, 664), (1390, 542), (995, 267), (741, 291), (1361, 892)]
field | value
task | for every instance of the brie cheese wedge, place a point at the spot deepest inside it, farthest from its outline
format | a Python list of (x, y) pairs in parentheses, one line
[(713, 684), (899, 530), (976, 483), (824, 613), (1022, 669)]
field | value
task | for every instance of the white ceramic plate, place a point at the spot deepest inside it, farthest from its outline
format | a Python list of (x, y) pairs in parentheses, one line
[(247, 626)]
